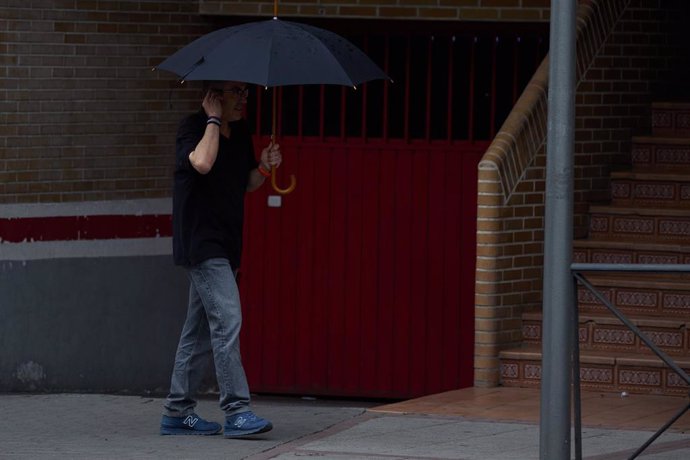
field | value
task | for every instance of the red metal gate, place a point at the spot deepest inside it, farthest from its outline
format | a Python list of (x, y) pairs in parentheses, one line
[(362, 282)]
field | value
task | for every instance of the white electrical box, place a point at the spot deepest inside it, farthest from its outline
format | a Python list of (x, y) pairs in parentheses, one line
[(275, 201)]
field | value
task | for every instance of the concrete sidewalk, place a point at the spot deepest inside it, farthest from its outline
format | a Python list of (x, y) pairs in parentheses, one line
[(77, 426)]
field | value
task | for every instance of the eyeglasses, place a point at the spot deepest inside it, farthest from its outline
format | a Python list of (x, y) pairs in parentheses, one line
[(236, 91)]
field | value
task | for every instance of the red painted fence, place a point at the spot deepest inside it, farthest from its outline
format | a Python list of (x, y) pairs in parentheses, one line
[(362, 283)]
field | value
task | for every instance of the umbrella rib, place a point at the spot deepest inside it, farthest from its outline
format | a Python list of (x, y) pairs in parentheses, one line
[(193, 68)]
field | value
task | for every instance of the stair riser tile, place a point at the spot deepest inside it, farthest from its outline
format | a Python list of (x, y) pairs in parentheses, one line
[(594, 336), (620, 338), (650, 194), (671, 123), (527, 374), (637, 301), (613, 378), (639, 228), (532, 333), (645, 156), (628, 256), (650, 380)]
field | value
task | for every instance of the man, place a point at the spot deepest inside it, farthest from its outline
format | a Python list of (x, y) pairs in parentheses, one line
[(215, 166)]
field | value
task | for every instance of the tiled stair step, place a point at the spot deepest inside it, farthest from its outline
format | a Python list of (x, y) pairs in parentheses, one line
[(661, 152), (641, 188), (636, 224), (605, 332), (626, 252), (601, 371), (666, 296), (671, 119)]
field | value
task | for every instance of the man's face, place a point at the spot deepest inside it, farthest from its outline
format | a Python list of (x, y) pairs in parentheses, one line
[(233, 98)]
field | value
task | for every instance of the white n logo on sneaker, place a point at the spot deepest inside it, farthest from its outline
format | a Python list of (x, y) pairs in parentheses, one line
[(191, 421)]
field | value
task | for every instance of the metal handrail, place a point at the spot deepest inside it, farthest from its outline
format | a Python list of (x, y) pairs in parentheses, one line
[(577, 269)]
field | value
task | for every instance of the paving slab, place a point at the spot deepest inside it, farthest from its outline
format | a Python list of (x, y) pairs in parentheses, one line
[(92, 426)]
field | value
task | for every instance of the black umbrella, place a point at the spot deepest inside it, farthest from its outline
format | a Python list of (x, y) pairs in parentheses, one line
[(274, 53)]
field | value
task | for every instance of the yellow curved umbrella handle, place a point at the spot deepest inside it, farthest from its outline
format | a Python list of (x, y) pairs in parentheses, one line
[(282, 191)]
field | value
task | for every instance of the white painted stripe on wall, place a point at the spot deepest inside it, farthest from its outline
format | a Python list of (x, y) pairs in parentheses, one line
[(88, 208), (86, 248)]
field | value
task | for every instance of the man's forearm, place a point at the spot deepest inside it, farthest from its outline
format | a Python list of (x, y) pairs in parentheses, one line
[(203, 157), (256, 180)]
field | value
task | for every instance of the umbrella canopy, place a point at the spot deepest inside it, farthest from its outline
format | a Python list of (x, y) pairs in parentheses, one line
[(273, 53)]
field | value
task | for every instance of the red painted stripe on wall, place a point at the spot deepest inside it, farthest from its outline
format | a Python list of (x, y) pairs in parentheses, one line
[(99, 227)]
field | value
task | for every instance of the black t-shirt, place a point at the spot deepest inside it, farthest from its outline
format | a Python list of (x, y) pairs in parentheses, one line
[(208, 209)]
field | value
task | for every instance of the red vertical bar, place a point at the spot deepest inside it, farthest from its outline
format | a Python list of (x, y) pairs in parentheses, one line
[(352, 267), (322, 112), (386, 88), (364, 111), (427, 122), (449, 107), (364, 96), (273, 235), (370, 271), (403, 327), (420, 266), (284, 302), (336, 231), (434, 275), (279, 128), (452, 279), (321, 269), (383, 377), (305, 249), (470, 105), (492, 117), (408, 58), (300, 112), (343, 114)]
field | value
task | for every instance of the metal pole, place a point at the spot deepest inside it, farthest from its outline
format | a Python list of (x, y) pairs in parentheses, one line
[(577, 395), (554, 434)]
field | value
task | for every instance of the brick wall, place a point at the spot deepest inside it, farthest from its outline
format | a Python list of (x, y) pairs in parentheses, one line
[(625, 53), (468, 10), (82, 115), (83, 118)]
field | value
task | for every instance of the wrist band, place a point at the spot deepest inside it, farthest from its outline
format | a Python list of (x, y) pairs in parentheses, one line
[(213, 121), (263, 171)]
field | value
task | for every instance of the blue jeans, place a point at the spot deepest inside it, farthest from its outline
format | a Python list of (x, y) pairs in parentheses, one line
[(214, 318)]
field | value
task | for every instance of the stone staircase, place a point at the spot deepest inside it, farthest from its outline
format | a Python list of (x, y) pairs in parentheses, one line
[(648, 221)]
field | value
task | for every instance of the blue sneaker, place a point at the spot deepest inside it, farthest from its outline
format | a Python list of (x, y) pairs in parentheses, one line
[(245, 423), (191, 424)]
